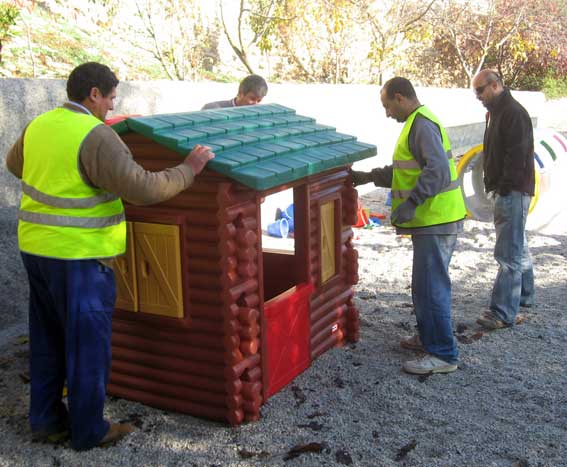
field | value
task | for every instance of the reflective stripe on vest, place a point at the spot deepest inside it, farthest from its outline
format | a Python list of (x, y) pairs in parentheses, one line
[(61, 216), (67, 221), (413, 164), (58, 202), (448, 205), (405, 194)]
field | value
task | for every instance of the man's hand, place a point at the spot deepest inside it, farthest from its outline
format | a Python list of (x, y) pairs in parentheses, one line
[(360, 178), (198, 158), (405, 212)]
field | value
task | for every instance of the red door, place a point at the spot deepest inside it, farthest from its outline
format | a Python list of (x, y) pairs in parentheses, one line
[(287, 336)]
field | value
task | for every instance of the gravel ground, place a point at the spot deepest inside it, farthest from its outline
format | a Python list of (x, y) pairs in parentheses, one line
[(506, 406)]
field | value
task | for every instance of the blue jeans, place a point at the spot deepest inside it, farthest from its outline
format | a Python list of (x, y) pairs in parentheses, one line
[(70, 326), (514, 285), (431, 294)]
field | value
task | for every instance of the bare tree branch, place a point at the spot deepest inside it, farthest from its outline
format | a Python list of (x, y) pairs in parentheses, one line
[(239, 51), (150, 29)]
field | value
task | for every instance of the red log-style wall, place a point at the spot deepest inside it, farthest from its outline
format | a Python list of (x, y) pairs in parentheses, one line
[(207, 363)]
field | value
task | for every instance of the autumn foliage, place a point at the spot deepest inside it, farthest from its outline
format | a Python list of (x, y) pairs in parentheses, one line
[(434, 42)]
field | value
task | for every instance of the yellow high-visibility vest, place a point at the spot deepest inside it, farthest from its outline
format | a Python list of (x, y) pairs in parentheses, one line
[(447, 206), (61, 216)]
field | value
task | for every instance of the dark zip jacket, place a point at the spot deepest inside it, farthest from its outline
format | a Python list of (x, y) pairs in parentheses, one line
[(508, 147)]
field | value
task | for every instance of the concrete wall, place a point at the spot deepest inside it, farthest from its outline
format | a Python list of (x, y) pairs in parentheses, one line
[(352, 109)]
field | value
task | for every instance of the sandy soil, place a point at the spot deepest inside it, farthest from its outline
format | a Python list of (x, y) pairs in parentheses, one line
[(506, 406)]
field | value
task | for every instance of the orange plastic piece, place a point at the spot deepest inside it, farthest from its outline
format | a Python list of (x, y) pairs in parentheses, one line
[(361, 217)]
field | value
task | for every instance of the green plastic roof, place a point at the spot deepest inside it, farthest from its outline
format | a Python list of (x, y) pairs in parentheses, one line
[(261, 146)]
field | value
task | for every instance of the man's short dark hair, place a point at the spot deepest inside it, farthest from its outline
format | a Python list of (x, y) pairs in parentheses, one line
[(87, 76), (399, 85), (255, 84)]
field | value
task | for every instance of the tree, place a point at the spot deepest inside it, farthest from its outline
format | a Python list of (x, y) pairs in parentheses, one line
[(8, 15), (344, 41), (47, 40), (394, 25), (465, 34), (534, 53), (177, 36), (323, 43), (518, 38), (256, 21)]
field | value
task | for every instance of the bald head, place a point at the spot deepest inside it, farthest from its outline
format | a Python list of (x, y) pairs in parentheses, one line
[(488, 75), (487, 85)]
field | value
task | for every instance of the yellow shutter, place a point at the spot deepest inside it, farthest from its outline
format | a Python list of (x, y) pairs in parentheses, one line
[(159, 269), (125, 273), (328, 260)]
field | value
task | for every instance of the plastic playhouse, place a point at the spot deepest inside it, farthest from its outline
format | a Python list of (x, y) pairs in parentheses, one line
[(209, 320)]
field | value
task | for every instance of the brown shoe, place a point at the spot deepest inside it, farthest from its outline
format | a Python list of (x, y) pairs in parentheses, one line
[(412, 343), (116, 432), (489, 321), (521, 318)]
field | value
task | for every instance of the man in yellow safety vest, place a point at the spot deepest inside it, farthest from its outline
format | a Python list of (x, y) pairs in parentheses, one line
[(75, 171), (427, 204)]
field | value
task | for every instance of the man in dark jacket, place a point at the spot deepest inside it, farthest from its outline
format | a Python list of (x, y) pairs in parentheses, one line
[(509, 178)]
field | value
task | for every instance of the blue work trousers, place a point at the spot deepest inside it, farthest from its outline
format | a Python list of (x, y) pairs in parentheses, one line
[(431, 294), (70, 326), (514, 285)]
